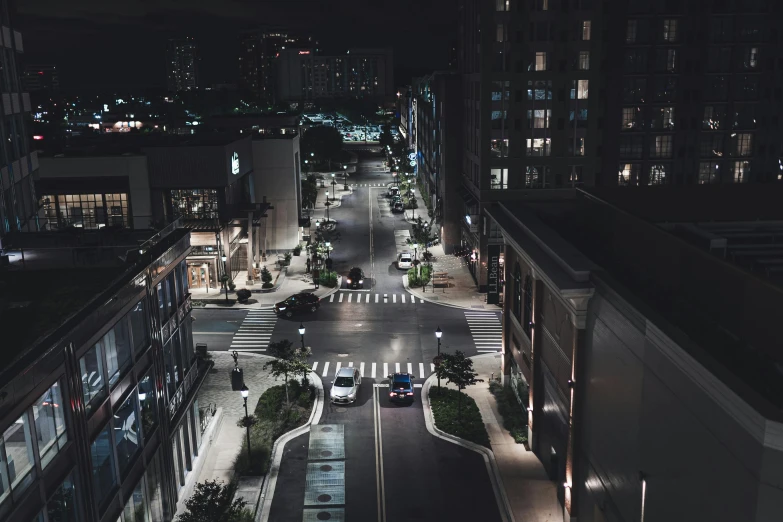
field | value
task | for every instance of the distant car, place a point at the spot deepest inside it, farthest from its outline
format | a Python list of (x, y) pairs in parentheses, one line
[(355, 278), (346, 386), (404, 260), (393, 191), (401, 387), (398, 206), (298, 303)]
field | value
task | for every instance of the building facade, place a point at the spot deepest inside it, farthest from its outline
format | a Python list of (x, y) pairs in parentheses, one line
[(257, 54), (626, 361), (18, 165), (100, 419), (182, 64), (438, 150), (41, 79)]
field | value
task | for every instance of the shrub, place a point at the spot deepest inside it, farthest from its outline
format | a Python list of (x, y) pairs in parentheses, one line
[(243, 295), (287, 258), (328, 278), (270, 403), (470, 427), (297, 250), (212, 501), (413, 279), (266, 275), (514, 416)]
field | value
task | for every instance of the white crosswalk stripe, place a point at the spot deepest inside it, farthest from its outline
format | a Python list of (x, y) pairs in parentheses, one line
[(369, 299), (486, 330), (374, 368), (255, 332)]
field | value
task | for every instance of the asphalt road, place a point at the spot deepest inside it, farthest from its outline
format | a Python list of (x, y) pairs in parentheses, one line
[(403, 473)]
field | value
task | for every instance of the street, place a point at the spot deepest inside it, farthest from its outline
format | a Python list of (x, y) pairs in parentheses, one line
[(388, 467)]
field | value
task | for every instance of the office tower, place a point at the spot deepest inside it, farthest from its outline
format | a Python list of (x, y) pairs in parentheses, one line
[(41, 79), (182, 64), (18, 166)]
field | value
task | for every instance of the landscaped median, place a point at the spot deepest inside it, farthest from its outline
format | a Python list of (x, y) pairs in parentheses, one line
[(461, 421)]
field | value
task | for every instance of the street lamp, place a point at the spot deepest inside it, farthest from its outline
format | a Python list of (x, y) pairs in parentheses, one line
[(438, 334), (225, 273), (328, 249), (345, 177), (334, 192), (245, 392), (301, 332)]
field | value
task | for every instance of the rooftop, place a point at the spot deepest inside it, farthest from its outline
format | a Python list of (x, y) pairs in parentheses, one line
[(125, 144), (722, 312)]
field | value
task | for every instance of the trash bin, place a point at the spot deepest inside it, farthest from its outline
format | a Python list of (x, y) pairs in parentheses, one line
[(237, 380), (201, 350)]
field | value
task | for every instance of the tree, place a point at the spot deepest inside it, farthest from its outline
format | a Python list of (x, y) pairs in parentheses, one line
[(457, 369), (421, 234), (211, 502), (309, 191), (283, 349), (325, 142), (266, 277), (386, 138), (284, 368)]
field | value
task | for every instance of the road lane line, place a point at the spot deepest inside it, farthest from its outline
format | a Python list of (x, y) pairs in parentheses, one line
[(396, 367), (315, 366), (381, 493), (376, 298), (350, 297), (403, 298), (337, 368), (331, 298), (372, 374), (359, 298), (361, 369), (410, 369), (421, 370), (394, 298), (385, 371), (326, 369), (432, 368), (341, 297)]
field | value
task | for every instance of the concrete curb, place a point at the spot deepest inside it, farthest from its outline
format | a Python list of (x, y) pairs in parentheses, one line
[(489, 458), (268, 491), (439, 303)]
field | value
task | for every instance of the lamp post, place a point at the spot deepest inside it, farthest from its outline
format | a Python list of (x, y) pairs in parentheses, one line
[(244, 392), (225, 273), (438, 334), (328, 249), (334, 192), (345, 177), (301, 332), (327, 206)]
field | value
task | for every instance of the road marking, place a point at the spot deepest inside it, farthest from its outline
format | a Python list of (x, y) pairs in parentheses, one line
[(421, 370), (350, 297), (413, 300), (337, 368), (331, 298), (361, 369), (385, 371), (372, 244), (394, 298), (376, 298), (372, 374), (315, 366), (359, 298), (381, 497), (418, 385), (403, 298), (326, 369), (248, 349), (341, 297), (432, 368), (213, 333), (410, 369), (396, 367)]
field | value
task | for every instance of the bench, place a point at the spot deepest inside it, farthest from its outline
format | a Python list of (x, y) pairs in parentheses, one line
[(440, 279)]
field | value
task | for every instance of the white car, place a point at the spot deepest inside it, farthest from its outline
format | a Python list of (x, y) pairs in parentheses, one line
[(393, 191), (345, 386), (404, 261)]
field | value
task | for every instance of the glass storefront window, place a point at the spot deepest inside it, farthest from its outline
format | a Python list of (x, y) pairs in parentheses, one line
[(195, 428), (18, 460), (92, 377), (171, 300), (177, 353), (136, 509), (102, 456), (126, 433), (49, 424), (195, 203), (175, 453), (62, 505), (149, 418), (116, 345), (185, 331), (138, 324), (169, 368), (152, 478)]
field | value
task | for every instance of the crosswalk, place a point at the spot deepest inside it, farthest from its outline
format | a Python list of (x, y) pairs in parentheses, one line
[(255, 331), (374, 370), (369, 184), (370, 298), (486, 330)]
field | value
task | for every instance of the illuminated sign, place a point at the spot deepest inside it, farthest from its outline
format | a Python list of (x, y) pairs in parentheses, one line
[(412, 156), (235, 164), (413, 163), (37, 137), (304, 52), (493, 274)]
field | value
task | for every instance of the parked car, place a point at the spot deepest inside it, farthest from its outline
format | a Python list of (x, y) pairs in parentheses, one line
[(345, 386), (298, 303), (355, 278), (393, 191), (401, 387), (398, 206), (404, 260)]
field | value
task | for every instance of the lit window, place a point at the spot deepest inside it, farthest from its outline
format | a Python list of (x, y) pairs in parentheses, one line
[(628, 174), (630, 32), (538, 146), (581, 90), (584, 60), (658, 173), (586, 30), (670, 30), (751, 59), (48, 412), (502, 5), (661, 147), (539, 118), (741, 171), (498, 179), (501, 32), (743, 144), (631, 118), (708, 172), (541, 61)]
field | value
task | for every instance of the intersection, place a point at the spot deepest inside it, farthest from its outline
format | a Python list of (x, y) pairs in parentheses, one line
[(390, 468)]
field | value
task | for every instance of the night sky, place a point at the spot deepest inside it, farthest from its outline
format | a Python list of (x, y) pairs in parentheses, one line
[(99, 44)]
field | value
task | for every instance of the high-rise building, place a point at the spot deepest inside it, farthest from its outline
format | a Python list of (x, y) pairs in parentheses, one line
[(182, 64), (18, 166), (41, 79), (257, 54), (636, 92)]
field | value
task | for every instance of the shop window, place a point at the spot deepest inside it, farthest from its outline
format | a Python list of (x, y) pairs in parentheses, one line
[(499, 148), (102, 457), (709, 172), (517, 293), (184, 277), (162, 309), (62, 506), (195, 203), (50, 424), (126, 433), (177, 353), (93, 382), (136, 508), (527, 318), (18, 465), (169, 369), (171, 295), (186, 332)]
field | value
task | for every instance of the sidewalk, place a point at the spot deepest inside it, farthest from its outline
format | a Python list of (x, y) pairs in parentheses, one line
[(532, 496)]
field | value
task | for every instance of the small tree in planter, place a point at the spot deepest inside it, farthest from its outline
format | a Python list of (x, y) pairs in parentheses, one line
[(211, 502), (297, 250), (243, 294), (266, 277), (287, 258), (457, 369)]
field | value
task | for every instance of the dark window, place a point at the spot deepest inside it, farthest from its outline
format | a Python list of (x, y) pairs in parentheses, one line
[(102, 457), (62, 506), (718, 59), (149, 416), (126, 432), (527, 319), (634, 89), (635, 61), (517, 293), (717, 87), (138, 321), (631, 146)]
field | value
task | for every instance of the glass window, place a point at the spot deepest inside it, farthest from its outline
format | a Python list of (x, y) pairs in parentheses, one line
[(741, 144), (195, 203), (501, 32), (631, 146), (666, 60), (149, 417), (718, 59), (629, 174), (662, 118), (632, 118), (538, 146), (709, 172), (168, 361), (658, 174), (126, 433), (581, 89), (180, 289), (152, 477), (499, 179), (714, 117), (49, 424), (669, 30), (537, 176), (186, 331), (136, 509), (634, 90), (517, 293), (661, 146), (19, 458), (62, 506), (539, 119), (665, 88), (576, 146), (747, 87), (741, 171), (171, 289), (630, 31), (102, 456), (177, 353), (750, 58), (499, 148), (586, 25), (117, 347), (584, 60), (92, 377), (541, 61), (502, 5), (138, 323), (711, 145), (162, 310), (184, 277)]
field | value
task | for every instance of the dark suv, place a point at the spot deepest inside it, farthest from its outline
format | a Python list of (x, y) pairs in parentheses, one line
[(298, 303), (355, 278), (401, 387)]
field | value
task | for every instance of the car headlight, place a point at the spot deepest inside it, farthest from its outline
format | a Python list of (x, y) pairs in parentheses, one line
[(281, 308), (348, 281), (361, 281)]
